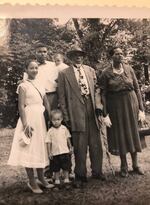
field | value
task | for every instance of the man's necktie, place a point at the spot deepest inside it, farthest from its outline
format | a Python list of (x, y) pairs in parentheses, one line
[(83, 87)]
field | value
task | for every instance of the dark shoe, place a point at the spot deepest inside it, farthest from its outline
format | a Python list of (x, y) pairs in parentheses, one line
[(138, 170), (101, 177), (81, 178), (71, 176), (77, 184), (124, 172), (84, 179)]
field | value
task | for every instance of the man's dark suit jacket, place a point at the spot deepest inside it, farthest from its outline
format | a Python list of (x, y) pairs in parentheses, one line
[(70, 99)]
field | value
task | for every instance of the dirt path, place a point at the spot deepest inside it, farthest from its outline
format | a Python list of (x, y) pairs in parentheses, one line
[(116, 191)]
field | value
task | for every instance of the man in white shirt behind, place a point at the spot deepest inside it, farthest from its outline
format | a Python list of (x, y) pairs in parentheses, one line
[(47, 74)]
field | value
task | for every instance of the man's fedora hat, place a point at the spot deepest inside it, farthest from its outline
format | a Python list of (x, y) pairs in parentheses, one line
[(75, 50)]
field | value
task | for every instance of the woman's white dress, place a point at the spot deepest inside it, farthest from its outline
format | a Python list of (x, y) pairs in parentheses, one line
[(35, 154)]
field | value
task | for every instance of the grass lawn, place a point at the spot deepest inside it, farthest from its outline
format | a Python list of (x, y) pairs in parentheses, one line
[(132, 190)]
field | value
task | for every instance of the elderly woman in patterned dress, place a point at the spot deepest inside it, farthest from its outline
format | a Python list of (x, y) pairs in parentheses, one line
[(123, 108)]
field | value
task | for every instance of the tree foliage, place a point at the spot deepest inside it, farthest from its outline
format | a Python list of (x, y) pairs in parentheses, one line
[(95, 36)]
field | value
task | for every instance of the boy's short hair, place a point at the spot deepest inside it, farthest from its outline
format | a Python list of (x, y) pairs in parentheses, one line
[(56, 111)]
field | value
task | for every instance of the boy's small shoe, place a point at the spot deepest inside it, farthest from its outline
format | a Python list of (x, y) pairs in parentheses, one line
[(71, 176), (57, 182), (35, 191), (66, 181)]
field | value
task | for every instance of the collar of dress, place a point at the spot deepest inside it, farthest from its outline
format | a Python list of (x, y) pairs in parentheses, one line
[(118, 71)]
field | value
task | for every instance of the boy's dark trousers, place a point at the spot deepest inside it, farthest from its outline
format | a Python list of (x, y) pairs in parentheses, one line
[(49, 169)]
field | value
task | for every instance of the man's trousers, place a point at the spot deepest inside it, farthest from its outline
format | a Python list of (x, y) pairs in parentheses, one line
[(90, 138)]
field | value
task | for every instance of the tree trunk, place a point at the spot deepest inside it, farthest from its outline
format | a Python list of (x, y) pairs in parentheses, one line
[(77, 27)]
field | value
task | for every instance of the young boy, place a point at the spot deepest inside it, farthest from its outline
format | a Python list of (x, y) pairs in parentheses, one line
[(59, 146)]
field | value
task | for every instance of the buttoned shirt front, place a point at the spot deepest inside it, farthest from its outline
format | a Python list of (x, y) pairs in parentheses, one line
[(58, 137)]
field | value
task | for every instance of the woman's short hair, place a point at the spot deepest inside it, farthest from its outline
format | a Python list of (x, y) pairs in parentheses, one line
[(29, 60)]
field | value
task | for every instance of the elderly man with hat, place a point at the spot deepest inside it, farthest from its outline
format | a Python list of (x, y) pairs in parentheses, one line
[(79, 100)]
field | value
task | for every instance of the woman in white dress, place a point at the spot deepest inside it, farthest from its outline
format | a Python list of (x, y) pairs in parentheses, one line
[(31, 102)]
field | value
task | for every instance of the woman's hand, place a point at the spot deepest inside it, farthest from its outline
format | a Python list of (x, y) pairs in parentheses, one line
[(107, 121), (141, 116), (28, 131)]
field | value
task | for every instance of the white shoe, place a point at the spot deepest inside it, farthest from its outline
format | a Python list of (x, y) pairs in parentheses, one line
[(66, 181), (57, 182), (71, 176), (35, 191), (49, 186)]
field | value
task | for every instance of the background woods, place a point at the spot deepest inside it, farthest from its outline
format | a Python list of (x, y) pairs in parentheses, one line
[(95, 36)]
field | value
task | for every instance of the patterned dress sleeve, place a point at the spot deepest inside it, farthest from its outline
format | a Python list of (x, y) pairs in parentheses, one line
[(102, 82), (137, 90)]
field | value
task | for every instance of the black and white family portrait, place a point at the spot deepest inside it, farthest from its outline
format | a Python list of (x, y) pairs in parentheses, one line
[(75, 111)]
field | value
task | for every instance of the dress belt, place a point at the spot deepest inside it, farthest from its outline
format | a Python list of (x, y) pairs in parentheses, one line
[(120, 92)]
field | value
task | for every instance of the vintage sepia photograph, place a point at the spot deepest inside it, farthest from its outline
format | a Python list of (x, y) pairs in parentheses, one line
[(75, 111)]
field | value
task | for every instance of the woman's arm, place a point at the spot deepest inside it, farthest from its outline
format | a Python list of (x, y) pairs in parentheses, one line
[(102, 83), (103, 97), (21, 106), (49, 149), (137, 90)]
